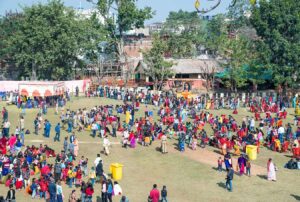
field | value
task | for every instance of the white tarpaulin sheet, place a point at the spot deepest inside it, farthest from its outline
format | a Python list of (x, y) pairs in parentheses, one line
[(83, 85), (41, 88)]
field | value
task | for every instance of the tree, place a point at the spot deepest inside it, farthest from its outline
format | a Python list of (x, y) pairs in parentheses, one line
[(216, 35), (185, 31), (238, 15), (208, 74), (237, 53), (9, 24), (157, 67), (277, 23), (48, 41), (126, 16), (94, 35)]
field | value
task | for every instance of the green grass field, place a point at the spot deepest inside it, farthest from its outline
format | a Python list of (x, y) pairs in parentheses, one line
[(187, 179)]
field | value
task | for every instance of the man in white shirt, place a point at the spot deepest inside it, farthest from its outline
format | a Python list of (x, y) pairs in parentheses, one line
[(22, 123), (125, 138), (94, 128), (6, 127), (280, 134), (252, 124), (97, 160), (106, 144)]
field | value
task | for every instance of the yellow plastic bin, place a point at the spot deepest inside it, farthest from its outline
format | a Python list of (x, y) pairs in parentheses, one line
[(297, 111), (251, 151), (116, 171)]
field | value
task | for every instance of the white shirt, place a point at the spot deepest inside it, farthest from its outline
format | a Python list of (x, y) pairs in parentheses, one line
[(94, 126), (117, 189), (97, 160), (106, 142), (6, 124), (280, 130), (22, 123), (125, 134)]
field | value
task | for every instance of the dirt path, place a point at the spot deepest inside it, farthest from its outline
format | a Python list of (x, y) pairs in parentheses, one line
[(80, 142), (200, 155), (210, 158)]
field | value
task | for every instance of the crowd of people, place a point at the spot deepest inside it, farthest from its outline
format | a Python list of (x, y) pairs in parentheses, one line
[(261, 103), (179, 118), (31, 168)]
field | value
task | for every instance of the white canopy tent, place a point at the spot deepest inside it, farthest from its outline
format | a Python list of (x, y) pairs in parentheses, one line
[(41, 88)]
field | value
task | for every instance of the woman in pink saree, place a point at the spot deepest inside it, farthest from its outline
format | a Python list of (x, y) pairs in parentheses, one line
[(76, 146), (271, 170), (12, 141), (132, 140)]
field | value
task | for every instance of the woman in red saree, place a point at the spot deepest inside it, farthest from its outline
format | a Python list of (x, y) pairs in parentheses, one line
[(19, 183)]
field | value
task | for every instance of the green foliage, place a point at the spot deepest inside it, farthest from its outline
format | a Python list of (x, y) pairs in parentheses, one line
[(186, 33), (127, 16), (157, 67), (238, 14), (93, 34), (48, 41), (216, 34), (9, 25), (277, 23), (182, 20), (237, 52)]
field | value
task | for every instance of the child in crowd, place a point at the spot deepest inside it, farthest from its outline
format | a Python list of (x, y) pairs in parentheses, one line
[(220, 162)]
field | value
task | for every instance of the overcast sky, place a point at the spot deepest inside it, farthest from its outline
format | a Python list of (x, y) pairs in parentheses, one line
[(162, 7)]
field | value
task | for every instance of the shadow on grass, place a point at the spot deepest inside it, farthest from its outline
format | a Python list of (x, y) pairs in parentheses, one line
[(216, 169), (176, 146), (222, 185), (296, 197), (98, 199), (264, 177), (218, 152)]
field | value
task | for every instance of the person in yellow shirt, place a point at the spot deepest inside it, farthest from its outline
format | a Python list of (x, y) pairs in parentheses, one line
[(92, 175), (70, 177)]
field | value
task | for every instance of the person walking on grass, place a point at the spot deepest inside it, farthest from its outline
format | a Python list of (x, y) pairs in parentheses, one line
[(164, 144), (66, 144), (106, 144), (4, 114), (52, 191), (72, 196), (57, 133), (110, 189), (229, 179), (154, 194), (164, 194), (11, 194), (36, 124), (47, 128), (220, 163), (271, 170), (59, 192), (248, 168)]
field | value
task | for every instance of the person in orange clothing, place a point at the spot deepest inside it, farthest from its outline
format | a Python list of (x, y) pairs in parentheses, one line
[(279, 123)]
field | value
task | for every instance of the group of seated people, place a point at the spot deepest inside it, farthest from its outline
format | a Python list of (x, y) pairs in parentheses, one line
[(293, 164)]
